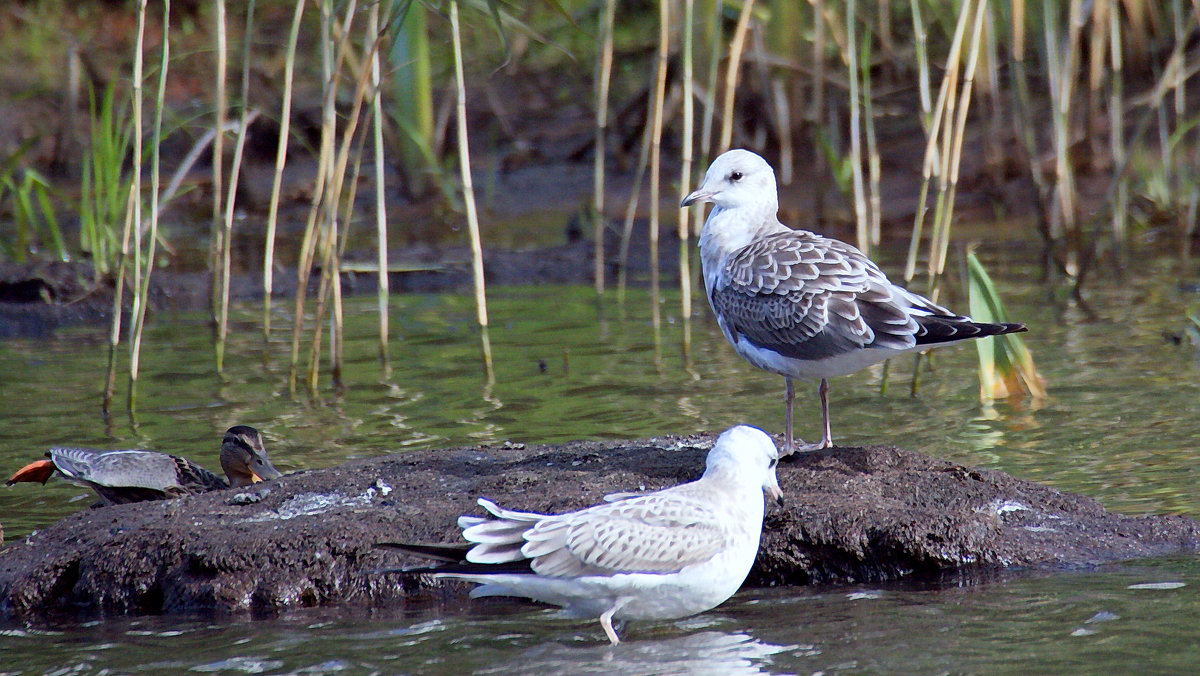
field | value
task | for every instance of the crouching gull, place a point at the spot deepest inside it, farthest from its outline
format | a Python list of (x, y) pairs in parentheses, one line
[(801, 305), (653, 556)]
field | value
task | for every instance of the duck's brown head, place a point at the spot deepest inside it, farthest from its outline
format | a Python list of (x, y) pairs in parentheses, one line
[(244, 457)]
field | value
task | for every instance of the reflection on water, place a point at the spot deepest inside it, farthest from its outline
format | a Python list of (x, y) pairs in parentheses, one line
[(704, 652), (1113, 620), (1119, 425)]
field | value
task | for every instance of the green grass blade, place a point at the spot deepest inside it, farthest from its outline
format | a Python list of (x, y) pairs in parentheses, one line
[(1006, 367)]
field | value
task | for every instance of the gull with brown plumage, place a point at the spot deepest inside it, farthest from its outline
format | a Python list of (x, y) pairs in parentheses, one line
[(800, 305), (124, 476)]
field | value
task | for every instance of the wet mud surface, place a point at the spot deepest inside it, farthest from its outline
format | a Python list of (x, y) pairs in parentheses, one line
[(852, 515)]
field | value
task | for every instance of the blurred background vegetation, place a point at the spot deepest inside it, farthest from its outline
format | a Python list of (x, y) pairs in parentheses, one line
[(327, 135)]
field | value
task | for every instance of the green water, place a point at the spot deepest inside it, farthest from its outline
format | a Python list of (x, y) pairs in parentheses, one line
[(1118, 425)]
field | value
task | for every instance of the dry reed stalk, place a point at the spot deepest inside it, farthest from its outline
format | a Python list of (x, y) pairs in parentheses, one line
[(308, 242), (713, 27), (1062, 81), (1180, 84), (951, 171), (135, 218), (818, 110), (736, 46), (875, 205), (931, 163), (630, 212), (685, 171), (464, 154), (234, 174), (114, 335), (861, 218), (656, 125), (333, 244), (285, 127), (139, 314), (381, 232), (1097, 74), (603, 79), (218, 157), (1116, 130)]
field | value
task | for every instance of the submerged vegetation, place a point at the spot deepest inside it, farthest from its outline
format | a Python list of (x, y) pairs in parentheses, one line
[(1081, 109)]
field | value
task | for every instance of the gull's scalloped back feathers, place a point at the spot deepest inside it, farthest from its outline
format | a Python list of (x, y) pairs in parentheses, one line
[(801, 305)]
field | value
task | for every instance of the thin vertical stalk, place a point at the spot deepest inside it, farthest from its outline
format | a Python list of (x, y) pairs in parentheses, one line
[(308, 243), (875, 206), (861, 224), (234, 173), (932, 161), (1063, 219), (464, 155), (942, 228), (685, 171), (139, 314), (656, 125), (630, 212), (331, 250), (114, 334), (818, 111), (1180, 84), (1116, 130), (381, 231), (218, 175), (603, 78), (135, 218), (713, 26), (736, 46), (285, 127)]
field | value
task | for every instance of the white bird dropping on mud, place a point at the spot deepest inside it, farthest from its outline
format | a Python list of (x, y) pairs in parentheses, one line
[(800, 305), (655, 556)]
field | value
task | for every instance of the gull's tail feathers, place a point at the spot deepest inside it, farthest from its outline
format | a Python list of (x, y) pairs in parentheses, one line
[(937, 329)]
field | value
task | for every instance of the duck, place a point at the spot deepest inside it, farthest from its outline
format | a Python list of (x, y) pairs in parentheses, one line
[(125, 476)]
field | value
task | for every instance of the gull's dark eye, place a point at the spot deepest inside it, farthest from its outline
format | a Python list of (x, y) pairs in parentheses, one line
[(773, 463), (735, 176)]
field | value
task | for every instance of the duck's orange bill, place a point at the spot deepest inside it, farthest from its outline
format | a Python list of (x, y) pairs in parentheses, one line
[(254, 478), (39, 471)]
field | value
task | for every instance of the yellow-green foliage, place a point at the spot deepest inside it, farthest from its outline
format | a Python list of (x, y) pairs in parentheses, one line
[(1005, 365)]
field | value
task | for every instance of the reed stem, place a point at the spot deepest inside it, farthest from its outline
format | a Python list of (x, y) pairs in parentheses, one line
[(381, 231), (218, 168), (285, 130), (464, 156), (603, 79), (139, 315), (685, 171), (135, 218), (656, 125), (234, 174), (861, 218), (736, 46)]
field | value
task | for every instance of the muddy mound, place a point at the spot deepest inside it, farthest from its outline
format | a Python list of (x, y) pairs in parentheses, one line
[(853, 515)]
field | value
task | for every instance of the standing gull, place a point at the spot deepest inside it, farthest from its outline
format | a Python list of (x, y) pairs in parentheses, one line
[(801, 305), (663, 555)]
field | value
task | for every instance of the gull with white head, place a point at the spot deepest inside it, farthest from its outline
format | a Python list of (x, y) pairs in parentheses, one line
[(800, 305), (663, 555)]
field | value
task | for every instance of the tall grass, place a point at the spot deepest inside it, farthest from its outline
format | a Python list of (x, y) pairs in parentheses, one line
[(104, 192), (1069, 68)]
